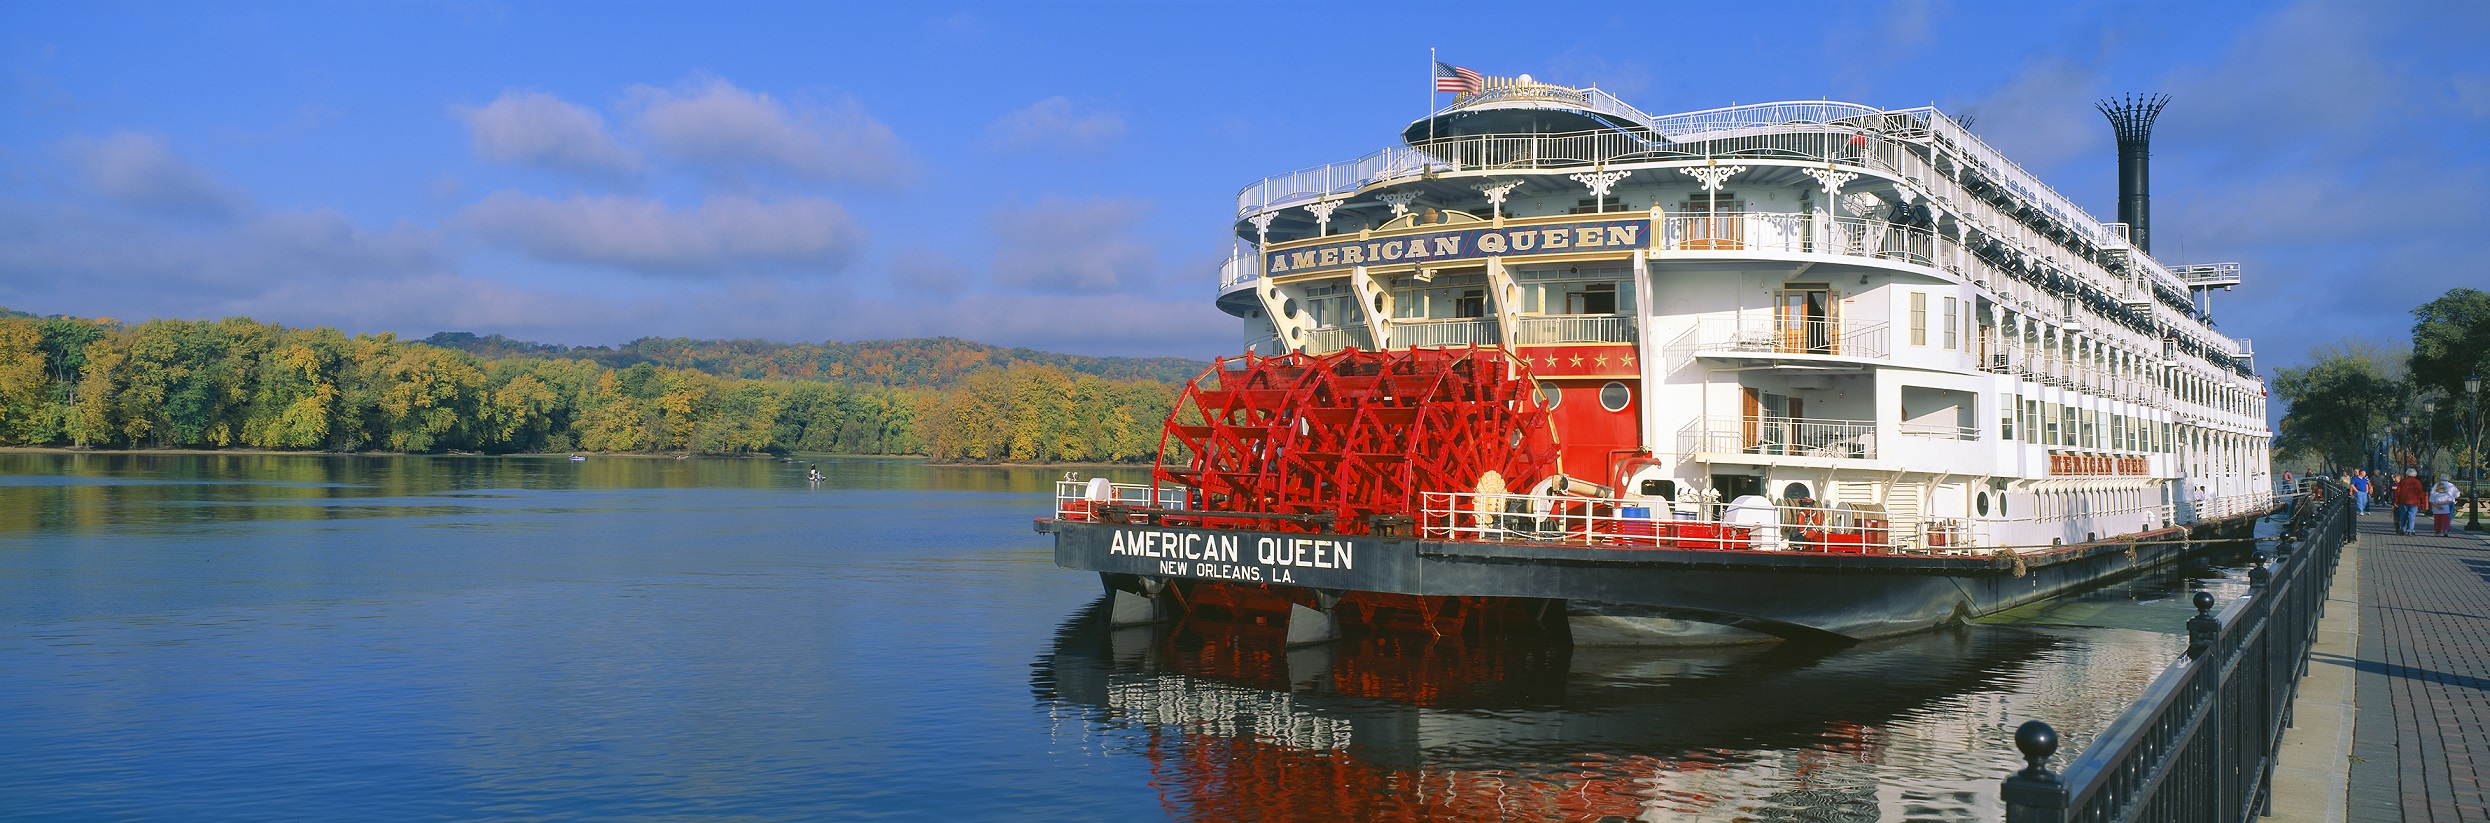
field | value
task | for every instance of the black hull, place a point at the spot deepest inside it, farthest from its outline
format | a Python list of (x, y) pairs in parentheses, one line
[(1791, 595)]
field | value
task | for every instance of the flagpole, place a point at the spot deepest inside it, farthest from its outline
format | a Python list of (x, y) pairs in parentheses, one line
[(1430, 94)]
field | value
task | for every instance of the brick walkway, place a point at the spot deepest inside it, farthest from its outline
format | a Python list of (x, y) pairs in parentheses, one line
[(2421, 741)]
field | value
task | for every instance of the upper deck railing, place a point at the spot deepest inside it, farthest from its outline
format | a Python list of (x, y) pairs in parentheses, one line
[(1723, 132)]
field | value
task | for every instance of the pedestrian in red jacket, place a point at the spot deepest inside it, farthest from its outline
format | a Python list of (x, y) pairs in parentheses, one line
[(2408, 499)]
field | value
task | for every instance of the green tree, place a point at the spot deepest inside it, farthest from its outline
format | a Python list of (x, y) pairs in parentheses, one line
[(25, 381), (2451, 341), (296, 397), (2337, 404), (433, 399)]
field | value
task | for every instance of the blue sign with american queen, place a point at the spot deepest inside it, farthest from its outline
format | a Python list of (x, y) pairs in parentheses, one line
[(1476, 241)]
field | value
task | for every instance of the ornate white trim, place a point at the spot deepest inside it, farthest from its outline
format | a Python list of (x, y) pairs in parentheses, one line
[(1712, 176), (1262, 227), (1599, 182), (1399, 201), (1832, 179), (1322, 210), (1496, 193)]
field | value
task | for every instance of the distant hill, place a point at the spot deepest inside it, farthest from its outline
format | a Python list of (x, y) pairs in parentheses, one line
[(929, 362)]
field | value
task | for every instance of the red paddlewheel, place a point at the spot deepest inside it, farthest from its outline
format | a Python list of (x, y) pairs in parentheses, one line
[(1353, 435)]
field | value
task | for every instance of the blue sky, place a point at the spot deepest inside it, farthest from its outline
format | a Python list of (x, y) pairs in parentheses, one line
[(1062, 175)]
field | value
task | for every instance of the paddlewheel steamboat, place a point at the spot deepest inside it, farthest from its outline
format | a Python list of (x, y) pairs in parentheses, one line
[(1807, 370)]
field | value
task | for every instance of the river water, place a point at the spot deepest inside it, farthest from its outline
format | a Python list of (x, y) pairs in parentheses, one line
[(212, 637)]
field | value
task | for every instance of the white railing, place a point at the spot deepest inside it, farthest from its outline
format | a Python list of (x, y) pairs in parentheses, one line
[(1078, 500), (1580, 328), (1781, 336), (1787, 525), (1801, 233), (1790, 436), (1940, 431), (1330, 339), (1658, 524), (1239, 271), (1444, 333), (1517, 152)]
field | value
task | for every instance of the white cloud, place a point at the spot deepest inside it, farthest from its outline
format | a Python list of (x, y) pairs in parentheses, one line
[(1056, 122), (79, 261), (930, 274), (541, 130), (1063, 245), (714, 124), (139, 171), (725, 235)]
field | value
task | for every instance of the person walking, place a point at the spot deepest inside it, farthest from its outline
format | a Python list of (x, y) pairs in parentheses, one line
[(2442, 506), (2360, 491), (2408, 500)]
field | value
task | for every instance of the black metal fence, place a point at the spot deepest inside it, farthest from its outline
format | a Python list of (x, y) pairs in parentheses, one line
[(2199, 745)]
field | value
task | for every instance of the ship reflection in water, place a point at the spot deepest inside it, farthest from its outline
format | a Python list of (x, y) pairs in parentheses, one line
[(1235, 726)]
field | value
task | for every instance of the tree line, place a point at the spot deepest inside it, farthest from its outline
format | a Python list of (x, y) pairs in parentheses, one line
[(2384, 405), (928, 361), (237, 383)]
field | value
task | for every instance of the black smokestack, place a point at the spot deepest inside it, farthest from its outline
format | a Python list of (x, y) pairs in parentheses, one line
[(2132, 116)]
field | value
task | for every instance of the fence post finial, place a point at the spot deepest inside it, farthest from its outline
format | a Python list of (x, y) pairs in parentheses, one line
[(2259, 575), (2203, 628), (2034, 794)]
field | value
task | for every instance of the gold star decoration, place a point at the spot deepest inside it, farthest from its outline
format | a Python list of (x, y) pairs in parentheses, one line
[(1551, 360), (1577, 361), (1629, 360), (1602, 360)]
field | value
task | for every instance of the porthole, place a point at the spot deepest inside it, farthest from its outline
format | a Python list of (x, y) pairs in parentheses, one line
[(2001, 504), (1296, 332), (1795, 491), (1288, 308), (1615, 396), (1549, 394), (1984, 504)]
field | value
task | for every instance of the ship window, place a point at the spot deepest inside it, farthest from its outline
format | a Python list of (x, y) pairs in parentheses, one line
[(1592, 298), (1951, 312), (1549, 394), (1984, 504), (1615, 396), (1584, 206), (1795, 491), (1919, 318), (1656, 487)]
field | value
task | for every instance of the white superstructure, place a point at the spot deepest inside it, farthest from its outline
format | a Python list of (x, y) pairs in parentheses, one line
[(1843, 310)]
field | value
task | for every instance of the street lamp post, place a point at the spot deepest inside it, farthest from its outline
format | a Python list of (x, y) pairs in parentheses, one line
[(2429, 438), (2472, 448)]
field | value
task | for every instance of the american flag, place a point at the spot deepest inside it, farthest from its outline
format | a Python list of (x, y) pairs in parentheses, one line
[(1455, 79)]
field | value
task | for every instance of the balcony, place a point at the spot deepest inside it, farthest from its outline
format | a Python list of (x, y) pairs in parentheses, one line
[(1938, 431), (1772, 336), (1780, 436), (1580, 328), (1799, 234), (1444, 333), (1239, 272), (1330, 339)]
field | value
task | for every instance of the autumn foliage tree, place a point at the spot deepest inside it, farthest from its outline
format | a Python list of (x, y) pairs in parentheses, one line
[(238, 383)]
